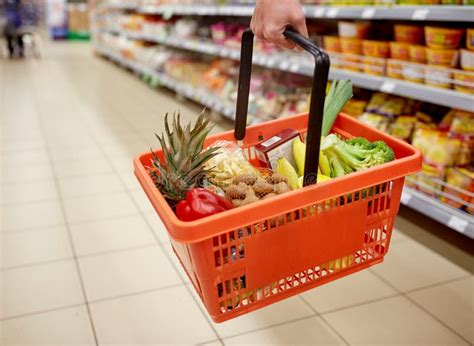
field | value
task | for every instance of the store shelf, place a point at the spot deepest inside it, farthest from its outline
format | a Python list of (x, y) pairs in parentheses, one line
[(185, 89), (416, 13), (287, 61), (435, 209)]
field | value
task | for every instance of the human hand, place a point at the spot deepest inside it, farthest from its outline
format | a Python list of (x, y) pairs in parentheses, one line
[(271, 18)]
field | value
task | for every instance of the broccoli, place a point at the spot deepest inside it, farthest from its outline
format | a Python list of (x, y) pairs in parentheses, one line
[(355, 154)]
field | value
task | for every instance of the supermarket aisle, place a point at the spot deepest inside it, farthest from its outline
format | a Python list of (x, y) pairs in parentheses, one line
[(85, 261)]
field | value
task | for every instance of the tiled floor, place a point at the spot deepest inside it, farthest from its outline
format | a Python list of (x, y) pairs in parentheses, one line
[(84, 259)]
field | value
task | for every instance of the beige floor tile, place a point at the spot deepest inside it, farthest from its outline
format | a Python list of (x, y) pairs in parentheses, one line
[(176, 263), (25, 159), (25, 192), (11, 147), (23, 174), (129, 148), (212, 343), (130, 180), (122, 163), (111, 235), (283, 311), (410, 265), (167, 316), (40, 287), (79, 153), (95, 208), (452, 303), (158, 227), (39, 214), (90, 185), (394, 321), (142, 200), (311, 331), (397, 235), (28, 247), (66, 169), (62, 327), (351, 290), (126, 272)]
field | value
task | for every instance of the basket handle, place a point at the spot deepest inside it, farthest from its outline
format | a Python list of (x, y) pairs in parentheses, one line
[(316, 106)]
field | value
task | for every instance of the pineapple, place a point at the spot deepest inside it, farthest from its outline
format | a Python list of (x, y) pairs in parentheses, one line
[(182, 168)]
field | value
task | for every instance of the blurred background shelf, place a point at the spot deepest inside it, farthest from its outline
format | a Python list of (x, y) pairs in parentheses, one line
[(156, 78), (416, 13), (295, 64), (453, 218)]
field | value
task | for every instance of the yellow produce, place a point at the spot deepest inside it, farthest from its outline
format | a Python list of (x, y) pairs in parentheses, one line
[(321, 178), (324, 165), (299, 153), (287, 170)]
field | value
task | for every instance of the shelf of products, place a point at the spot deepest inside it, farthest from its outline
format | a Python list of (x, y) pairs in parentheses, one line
[(395, 12), (296, 64), (453, 218), (156, 78), (389, 67)]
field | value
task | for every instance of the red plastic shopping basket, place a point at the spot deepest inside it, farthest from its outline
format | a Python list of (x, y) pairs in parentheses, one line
[(252, 256)]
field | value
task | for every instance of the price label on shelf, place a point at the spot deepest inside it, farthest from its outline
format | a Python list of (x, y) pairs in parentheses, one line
[(420, 14), (368, 13), (406, 198), (319, 12), (458, 224), (332, 13), (284, 65), (270, 62), (168, 13), (388, 87), (294, 68)]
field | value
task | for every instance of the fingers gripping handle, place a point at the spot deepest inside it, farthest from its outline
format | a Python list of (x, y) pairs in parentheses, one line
[(316, 106)]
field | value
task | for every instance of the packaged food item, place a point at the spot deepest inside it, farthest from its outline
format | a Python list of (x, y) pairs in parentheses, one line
[(414, 72), (277, 146), (353, 30), (439, 77), (462, 122), (442, 57), (373, 66), (417, 54), (403, 127), (376, 102), (470, 39), (464, 81), (393, 107), (394, 69), (227, 164), (399, 50), (375, 120), (467, 60), (351, 62), (332, 44), (354, 107), (430, 179), (437, 148), (412, 34), (460, 188), (445, 38), (377, 49), (351, 45)]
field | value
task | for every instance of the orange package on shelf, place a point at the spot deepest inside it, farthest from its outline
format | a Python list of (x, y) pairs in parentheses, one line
[(249, 257)]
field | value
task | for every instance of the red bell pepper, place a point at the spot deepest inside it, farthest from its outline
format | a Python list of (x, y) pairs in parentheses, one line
[(200, 203)]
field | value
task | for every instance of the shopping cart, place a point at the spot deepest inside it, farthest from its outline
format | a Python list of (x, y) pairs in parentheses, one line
[(252, 256)]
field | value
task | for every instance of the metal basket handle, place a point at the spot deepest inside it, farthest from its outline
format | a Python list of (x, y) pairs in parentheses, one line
[(316, 106)]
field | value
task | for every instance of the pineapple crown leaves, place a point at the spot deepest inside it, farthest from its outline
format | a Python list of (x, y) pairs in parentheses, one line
[(184, 158)]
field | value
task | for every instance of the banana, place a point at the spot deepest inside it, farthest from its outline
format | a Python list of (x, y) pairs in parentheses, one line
[(324, 164), (321, 178), (287, 170), (299, 153)]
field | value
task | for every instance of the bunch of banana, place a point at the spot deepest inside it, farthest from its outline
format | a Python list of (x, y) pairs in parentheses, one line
[(295, 178)]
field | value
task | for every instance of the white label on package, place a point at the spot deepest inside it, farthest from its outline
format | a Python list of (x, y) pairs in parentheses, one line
[(284, 150), (270, 141)]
